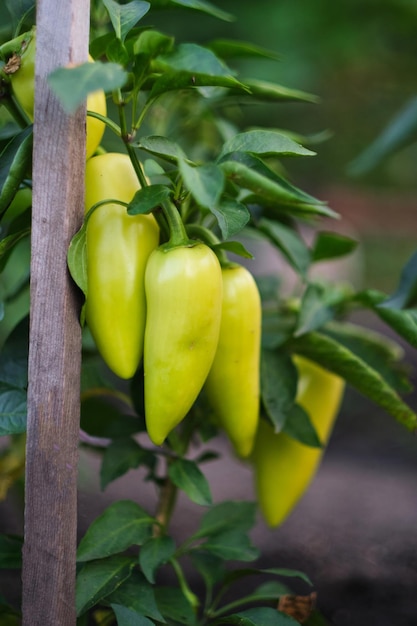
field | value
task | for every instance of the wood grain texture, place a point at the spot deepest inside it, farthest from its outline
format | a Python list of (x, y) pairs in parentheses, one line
[(55, 334)]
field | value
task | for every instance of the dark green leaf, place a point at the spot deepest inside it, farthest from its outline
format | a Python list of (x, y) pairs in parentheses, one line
[(319, 304), (232, 216), (270, 189), (380, 352), (154, 553), (161, 147), (138, 595), (116, 52), (288, 242), (125, 17), (288, 573), (237, 515), (77, 258), (174, 606), (18, 9), (128, 617), (195, 59), (231, 545), (122, 525), (10, 552), (211, 567), (299, 426), (261, 616), (205, 7), (404, 322), (152, 42), (187, 476), (101, 417), (235, 247), (278, 386), (331, 246), (335, 357), (205, 183), (148, 198), (171, 80), (98, 579), (13, 410), (272, 92), (121, 456), (72, 85), (264, 143), (236, 49), (406, 295), (13, 382), (8, 243), (15, 161)]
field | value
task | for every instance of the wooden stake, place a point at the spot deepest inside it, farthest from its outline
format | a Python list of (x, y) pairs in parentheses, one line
[(55, 335)]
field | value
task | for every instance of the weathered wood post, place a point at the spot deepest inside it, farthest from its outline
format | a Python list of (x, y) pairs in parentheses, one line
[(55, 337)]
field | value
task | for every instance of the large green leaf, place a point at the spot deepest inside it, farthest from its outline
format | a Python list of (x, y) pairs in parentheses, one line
[(232, 544), (403, 321), (264, 143), (329, 245), (13, 382), (186, 475), (154, 553), (335, 357), (72, 85), (261, 616), (174, 606), (161, 147), (122, 525), (221, 517), (273, 92), (205, 183), (138, 595), (237, 49), (122, 455), (278, 386), (289, 242), (148, 198), (319, 304), (205, 7), (125, 17), (192, 58), (98, 579), (128, 617)]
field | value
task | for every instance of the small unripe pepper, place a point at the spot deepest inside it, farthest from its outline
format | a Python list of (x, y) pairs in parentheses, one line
[(118, 247), (232, 386), (284, 467), (184, 297)]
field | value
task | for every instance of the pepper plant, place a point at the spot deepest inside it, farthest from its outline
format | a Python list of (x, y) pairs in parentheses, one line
[(181, 340)]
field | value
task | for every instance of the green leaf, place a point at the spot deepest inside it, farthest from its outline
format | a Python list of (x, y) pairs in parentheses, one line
[(152, 42), (15, 162), (127, 617), (273, 92), (264, 143), (380, 352), (148, 198), (125, 17), (319, 304), (270, 189), (137, 594), (174, 606), (278, 386), (236, 247), (205, 183), (331, 246), (77, 259), (205, 7), (232, 545), (171, 80), (194, 59), (237, 515), (98, 579), (299, 426), (406, 294), (186, 475), (161, 147), (288, 242), (210, 566), (8, 243), (404, 322), (238, 49), (288, 573), (232, 216), (121, 456), (155, 552), (122, 525), (13, 382), (13, 410), (261, 616), (101, 417), (335, 357), (116, 52), (72, 85), (10, 552)]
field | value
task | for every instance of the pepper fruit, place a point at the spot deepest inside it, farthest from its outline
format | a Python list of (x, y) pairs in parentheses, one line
[(284, 467), (23, 86), (118, 247), (184, 296), (232, 386)]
